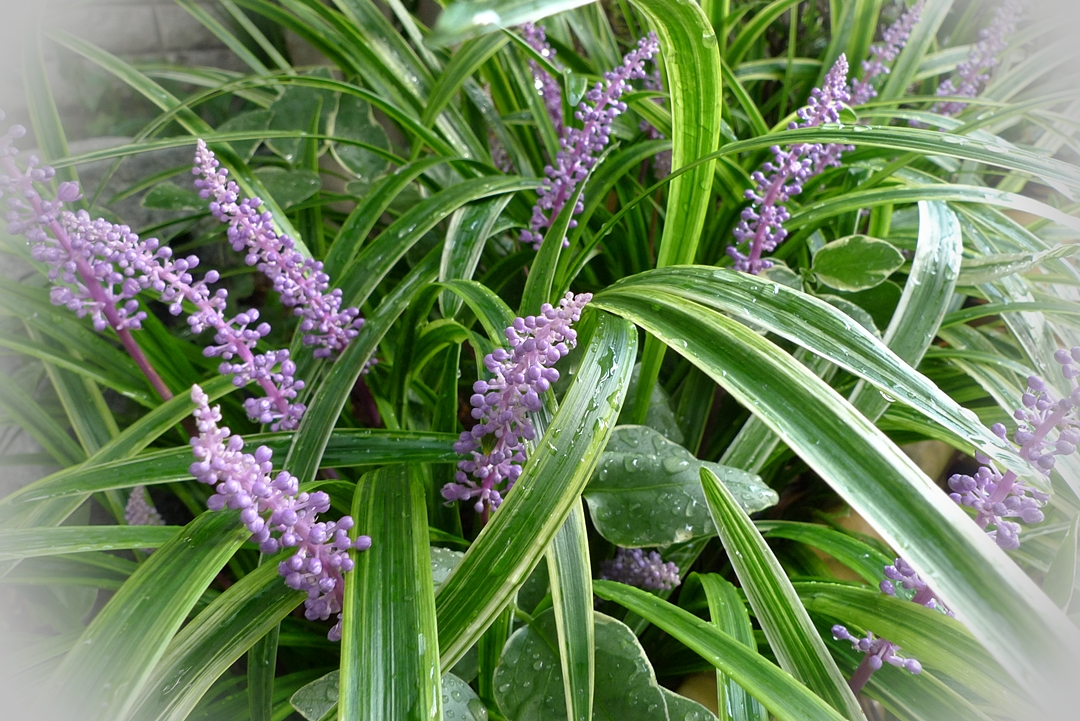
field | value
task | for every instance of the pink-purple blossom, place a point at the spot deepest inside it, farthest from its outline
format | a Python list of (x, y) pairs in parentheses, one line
[(1047, 427), (973, 73), (635, 567), (901, 581), (893, 41), (300, 281), (761, 227), (547, 86), (501, 404), (139, 511), (276, 512), (579, 148), (878, 651), (98, 268)]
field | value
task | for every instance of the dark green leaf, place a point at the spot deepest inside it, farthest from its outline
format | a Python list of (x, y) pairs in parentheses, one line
[(646, 491)]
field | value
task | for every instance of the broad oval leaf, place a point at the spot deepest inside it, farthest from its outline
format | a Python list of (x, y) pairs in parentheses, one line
[(856, 262), (646, 491), (289, 186), (528, 681)]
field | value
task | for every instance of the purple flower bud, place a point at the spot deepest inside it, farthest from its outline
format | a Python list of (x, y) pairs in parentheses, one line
[(501, 407), (634, 567), (579, 148), (762, 229), (300, 281), (974, 73), (242, 480)]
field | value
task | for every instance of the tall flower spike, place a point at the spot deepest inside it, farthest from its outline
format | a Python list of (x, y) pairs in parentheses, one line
[(634, 567), (900, 578), (762, 225), (579, 148), (97, 268), (547, 86), (1047, 427), (300, 281), (496, 444), (85, 284), (893, 41), (973, 73), (276, 513)]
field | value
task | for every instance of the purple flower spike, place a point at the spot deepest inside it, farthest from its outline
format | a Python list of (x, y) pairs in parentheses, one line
[(273, 504), (502, 403), (879, 651), (973, 73), (634, 567), (301, 281), (98, 268), (901, 575), (1047, 427), (580, 147), (547, 86), (139, 511), (762, 224), (893, 41), (900, 581)]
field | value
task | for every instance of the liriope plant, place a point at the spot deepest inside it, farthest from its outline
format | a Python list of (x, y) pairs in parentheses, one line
[(595, 367)]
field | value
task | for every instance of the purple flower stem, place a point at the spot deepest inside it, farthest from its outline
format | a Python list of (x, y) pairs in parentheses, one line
[(866, 669), (93, 286), (1001, 492)]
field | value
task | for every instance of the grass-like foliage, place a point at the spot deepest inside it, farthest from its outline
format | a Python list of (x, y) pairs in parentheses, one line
[(643, 360)]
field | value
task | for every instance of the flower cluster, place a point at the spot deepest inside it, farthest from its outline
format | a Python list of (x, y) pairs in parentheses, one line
[(762, 225), (270, 504), (579, 148), (546, 86), (500, 405), (300, 281), (98, 268), (634, 567), (893, 41), (1047, 427), (139, 511), (973, 73), (900, 580), (878, 651)]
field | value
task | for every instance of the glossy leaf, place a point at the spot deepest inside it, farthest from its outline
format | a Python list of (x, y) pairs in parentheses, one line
[(646, 491), (529, 679), (727, 611), (107, 669), (856, 262), (880, 483), (570, 577), (28, 543), (213, 641)]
